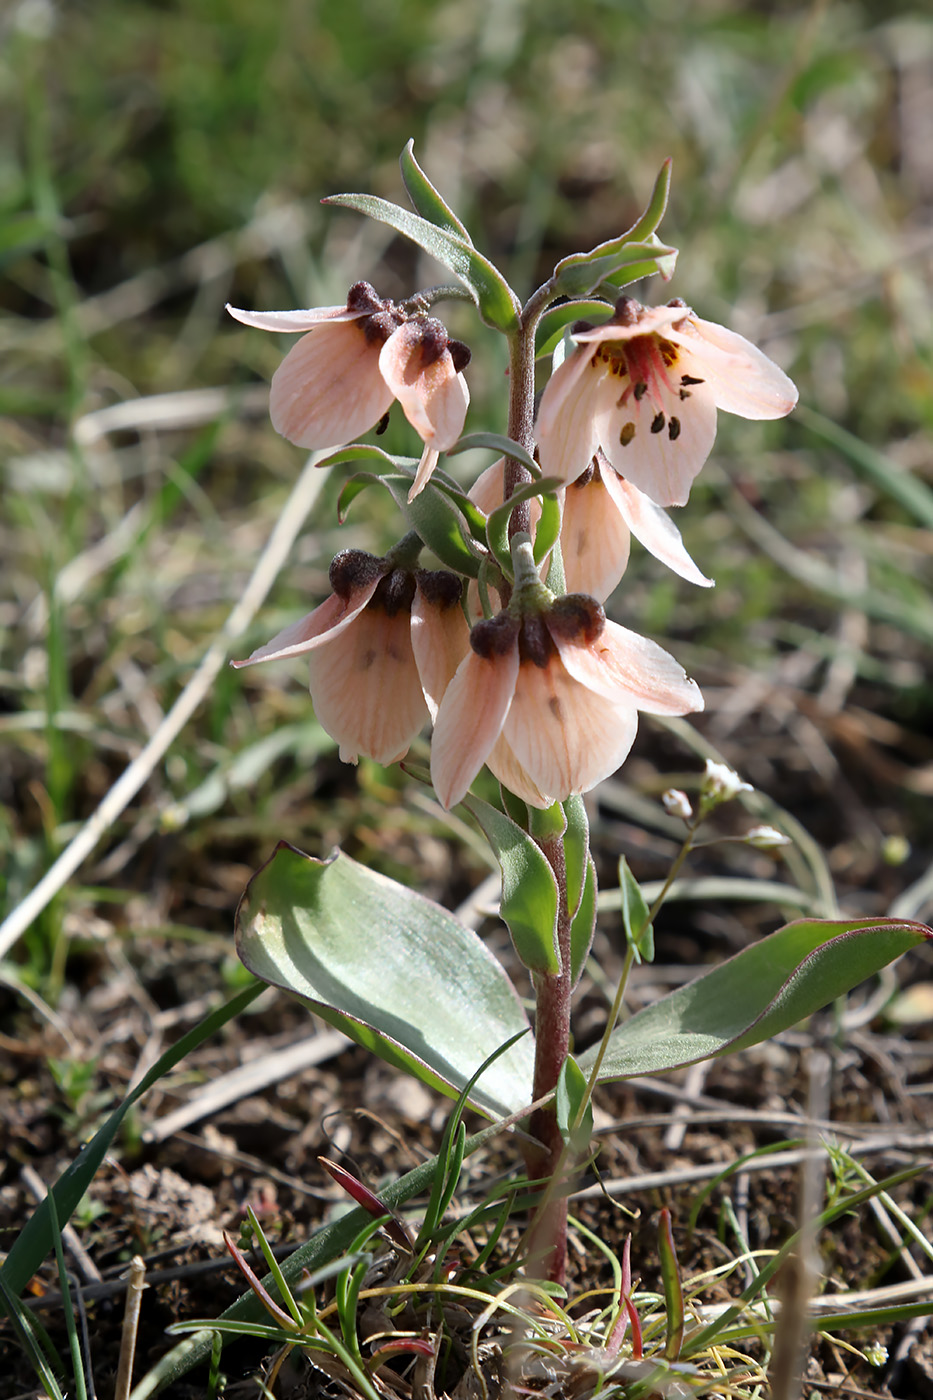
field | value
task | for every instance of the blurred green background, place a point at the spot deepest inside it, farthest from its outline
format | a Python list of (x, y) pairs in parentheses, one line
[(160, 159)]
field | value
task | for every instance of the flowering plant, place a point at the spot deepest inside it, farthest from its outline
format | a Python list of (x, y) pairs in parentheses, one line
[(508, 649)]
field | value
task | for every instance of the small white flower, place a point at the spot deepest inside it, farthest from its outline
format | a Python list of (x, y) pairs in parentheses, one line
[(677, 804), (766, 838), (721, 783)]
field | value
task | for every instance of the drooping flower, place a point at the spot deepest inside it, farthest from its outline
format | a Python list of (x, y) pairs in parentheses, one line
[(599, 514), (645, 387), (363, 676), (355, 360), (548, 697)]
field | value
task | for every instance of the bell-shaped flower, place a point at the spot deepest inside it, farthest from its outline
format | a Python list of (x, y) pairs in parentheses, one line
[(645, 387), (599, 514), (343, 376), (363, 676), (548, 697)]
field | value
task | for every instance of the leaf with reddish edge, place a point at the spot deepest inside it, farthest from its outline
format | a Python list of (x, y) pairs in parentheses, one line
[(271, 1306), (394, 1227), (403, 1346), (629, 1313), (673, 1288), (764, 989)]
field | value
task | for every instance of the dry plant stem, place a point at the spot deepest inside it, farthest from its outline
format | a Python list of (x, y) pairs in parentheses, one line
[(134, 1299), (552, 1042)]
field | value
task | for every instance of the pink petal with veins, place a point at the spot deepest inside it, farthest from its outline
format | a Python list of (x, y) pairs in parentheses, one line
[(566, 429), (292, 321), (440, 640), (329, 389), (652, 526), (627, 668), (327, 621), (594, 536), (564, 735), (743, 380), (365, 688), (433, 396), (470, 720)]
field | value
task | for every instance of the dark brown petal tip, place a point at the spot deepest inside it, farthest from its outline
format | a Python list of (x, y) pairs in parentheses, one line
[(628, 311), (352, 569), (362, 297), (460, 354), (439, 587), (576, 617), (395, 593), (494, 636)]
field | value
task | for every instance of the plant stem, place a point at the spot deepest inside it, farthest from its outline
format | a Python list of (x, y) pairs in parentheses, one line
[(548, 1233)]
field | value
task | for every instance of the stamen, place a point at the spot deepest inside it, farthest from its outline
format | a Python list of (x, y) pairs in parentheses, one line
[(641, 389), (673, 429), (657, 423), (627, 433), (691, 379)]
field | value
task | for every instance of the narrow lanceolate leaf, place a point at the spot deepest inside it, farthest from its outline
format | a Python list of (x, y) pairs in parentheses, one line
[(426, 199), (618, 261), (572, 1107), (498, 443), (556, 319), (576, 850), (391, 969), (657, 206), (673, 1288), (529, 891), (583, 925), (639, 933), (434, 514), (498, 304), (763, 990)]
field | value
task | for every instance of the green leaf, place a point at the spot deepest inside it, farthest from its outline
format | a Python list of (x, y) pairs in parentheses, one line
[(547, 529), (662, 264), (426, 199), (576, 849), (617, 261), (498, 304), (497, 521), (391, 969), (761, 991), (529, 890), (583, 924), (555, 321), (657, 205), (569, 1100), (497, 442), (673, 1288), (434, 514), (36, 1239), (639, 933)]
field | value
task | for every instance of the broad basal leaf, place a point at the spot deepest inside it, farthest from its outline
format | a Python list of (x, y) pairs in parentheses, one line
[(763, 990), (389, 968)]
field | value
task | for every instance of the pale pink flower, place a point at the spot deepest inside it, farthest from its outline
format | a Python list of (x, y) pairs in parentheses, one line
[(550, 700), (645, 387), (363, 676), (343, 376), (599, 514)]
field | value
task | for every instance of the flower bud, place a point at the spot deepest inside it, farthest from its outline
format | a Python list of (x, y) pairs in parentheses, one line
[(677, 804), (766, 838), (721, 784)]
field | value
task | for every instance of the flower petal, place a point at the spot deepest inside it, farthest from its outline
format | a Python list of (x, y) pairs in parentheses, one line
[(627, 668), (285, 321), (365, 688), (565, 429), (425, 470), (440, 640), (469, 721), (743, 380), (328, 389), (660, 438), (503, 764), (564, 735), (650, 525), (594, 536), (327, 621), (433, 396)]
